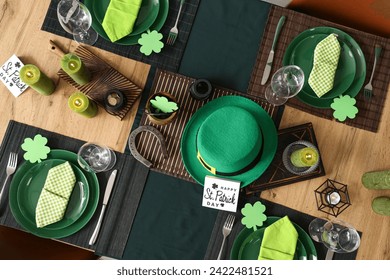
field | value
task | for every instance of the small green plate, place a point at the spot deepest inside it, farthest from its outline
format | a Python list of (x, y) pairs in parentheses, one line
[(46, 232), (248, 247), (131, 39), (31, 185), (346, 40), (302, 54), (146, 16)]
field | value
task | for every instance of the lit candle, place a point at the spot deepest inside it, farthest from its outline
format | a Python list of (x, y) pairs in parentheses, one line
[(304, 157), (333, 198), (81, 104), (36, 79), (75, 68)]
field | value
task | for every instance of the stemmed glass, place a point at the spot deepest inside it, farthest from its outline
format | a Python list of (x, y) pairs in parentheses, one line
[(285, 83), (96, 158), (76, 19), (338, 236)]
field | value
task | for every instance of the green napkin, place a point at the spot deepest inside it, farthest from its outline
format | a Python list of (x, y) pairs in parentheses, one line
[(326, 58), (55, 194), (120, 17), (279, 241)]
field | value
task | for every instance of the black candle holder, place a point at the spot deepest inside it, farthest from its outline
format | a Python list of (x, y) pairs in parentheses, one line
[(332, 197)]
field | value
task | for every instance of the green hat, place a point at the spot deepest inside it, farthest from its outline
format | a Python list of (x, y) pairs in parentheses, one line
[(230, 137)]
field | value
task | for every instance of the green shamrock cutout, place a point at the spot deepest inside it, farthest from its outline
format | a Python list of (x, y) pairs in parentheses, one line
[(162, 104), (36, 148), (150, 42), (344, 106), (253, 215)]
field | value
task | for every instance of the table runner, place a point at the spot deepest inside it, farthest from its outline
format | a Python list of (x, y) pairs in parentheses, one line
[(370, 112), (170, 56), (178, 85), (272, 209), (126, 194)]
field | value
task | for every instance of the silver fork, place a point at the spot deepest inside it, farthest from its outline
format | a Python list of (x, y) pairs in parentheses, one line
[(11, 167), (174, 31), (367, 92), (227, 228)]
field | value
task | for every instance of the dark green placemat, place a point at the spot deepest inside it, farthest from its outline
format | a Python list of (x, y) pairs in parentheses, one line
[(170, 56), (171, 223), (224, 41), (272, 209), (123, 202)]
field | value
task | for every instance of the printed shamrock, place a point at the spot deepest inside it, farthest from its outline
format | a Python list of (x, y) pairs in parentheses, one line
[(164, 105), (150, 42), (36, 148), (253, 215), (344, 106)]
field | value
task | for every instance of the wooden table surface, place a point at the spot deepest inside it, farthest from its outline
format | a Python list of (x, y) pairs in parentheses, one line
[(347, 152)]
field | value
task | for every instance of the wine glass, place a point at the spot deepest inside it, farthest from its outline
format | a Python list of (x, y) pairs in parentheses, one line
[(285, 83), (337, 236), (76, 19), (96, 158), (340, 237)]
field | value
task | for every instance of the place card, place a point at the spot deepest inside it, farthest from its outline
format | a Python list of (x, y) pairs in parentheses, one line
[(220, 193), (9, 75)]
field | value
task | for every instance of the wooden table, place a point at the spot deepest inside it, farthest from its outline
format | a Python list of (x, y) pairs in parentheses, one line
[(347, 152)]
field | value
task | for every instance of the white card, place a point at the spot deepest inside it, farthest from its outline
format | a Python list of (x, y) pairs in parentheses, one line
[(9, 75), (219, 193)]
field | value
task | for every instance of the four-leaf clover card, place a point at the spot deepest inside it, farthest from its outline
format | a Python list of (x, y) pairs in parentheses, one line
[(219, 193), (9, 75)]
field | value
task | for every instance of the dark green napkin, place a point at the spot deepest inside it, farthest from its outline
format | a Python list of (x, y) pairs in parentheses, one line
[(224, 41)]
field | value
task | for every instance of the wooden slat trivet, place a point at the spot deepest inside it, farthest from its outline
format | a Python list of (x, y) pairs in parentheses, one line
[(104, 78)]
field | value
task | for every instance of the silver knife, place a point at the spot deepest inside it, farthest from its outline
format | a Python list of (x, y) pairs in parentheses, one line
[(110, 185), (270, 59)]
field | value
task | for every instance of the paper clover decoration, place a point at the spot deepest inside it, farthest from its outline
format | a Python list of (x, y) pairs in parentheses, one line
[(150, 42), (344, 106), (35, 149), (253, 215), (164, 105)]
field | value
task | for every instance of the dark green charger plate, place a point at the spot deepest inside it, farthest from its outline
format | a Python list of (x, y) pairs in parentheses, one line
[(46, 232), (129, 40), (30, 188), (146, 16), (241, 250), (307, 40)]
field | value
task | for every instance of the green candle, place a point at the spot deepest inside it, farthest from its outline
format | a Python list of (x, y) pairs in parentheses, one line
[(75, 68), (81, 104), (304, 157), (32, 76)]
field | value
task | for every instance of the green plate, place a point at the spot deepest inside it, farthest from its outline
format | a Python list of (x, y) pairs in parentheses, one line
[(305, 240), (250, 248), (346, 41), (302, 53), (146, 15), (129, 40), (46, 232), (30, 187)]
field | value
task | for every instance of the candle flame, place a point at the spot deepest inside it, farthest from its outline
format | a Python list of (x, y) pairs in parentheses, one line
[(29, 74)]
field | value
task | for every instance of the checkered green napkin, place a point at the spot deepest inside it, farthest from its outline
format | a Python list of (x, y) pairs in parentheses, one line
[(120, 17), (326, 58), (55, 194)]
